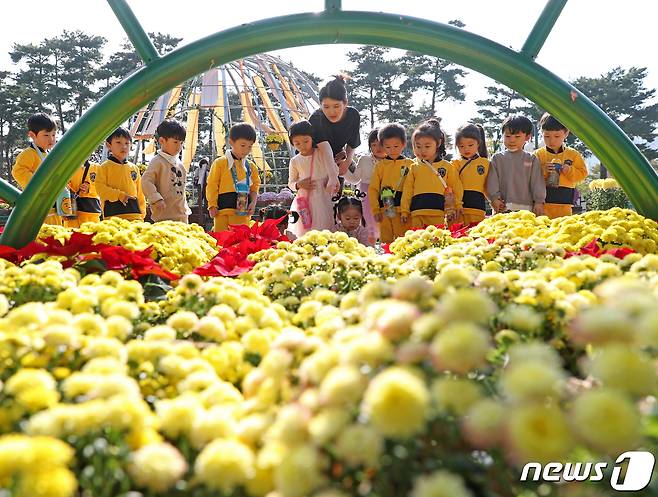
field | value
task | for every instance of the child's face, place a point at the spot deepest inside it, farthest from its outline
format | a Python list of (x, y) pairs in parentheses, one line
[(333, 110), (555, 139), (240, 147), (350, 218), (171, 146), (515, 141), (377, 150), (303, 144), (43, 139), (467, 147), (119, 147), (425, 148), (393, 147)]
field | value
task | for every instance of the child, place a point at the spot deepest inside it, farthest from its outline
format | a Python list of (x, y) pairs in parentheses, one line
[(314, 179), (165, 177), (83, 187), (348, 214), (563, 167), (118, 181), (426, 191), (276, 211), (473, 169), (361, 177), (515, 180), (388, 178), (41, 130), (233, 181)]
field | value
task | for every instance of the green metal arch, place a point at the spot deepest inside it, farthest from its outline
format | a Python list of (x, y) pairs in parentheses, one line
[(514, 69)]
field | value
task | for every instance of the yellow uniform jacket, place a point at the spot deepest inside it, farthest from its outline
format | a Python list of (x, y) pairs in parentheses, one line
[(114, 177), (564, 194), (86, 202), (423, 193), (26, 165), (220, 189), (473, 174), (388, 173)]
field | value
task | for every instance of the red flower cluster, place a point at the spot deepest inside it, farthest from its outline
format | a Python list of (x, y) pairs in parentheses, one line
[(80, 249), (239, 242), (594, 249)]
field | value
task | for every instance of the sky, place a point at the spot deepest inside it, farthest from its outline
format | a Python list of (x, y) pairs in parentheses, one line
[(590, 37)]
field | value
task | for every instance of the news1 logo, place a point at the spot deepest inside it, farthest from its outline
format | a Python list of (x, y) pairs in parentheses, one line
[(638, 473)]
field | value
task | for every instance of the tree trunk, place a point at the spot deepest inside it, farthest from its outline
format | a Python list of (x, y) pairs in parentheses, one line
[(60, 112), (603, 172), (434, 86), (372, 107)]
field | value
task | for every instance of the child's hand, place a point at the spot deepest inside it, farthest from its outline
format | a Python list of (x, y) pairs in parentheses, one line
[(306, 184), (565, 169), (343, 166), (252, 208), (379, 217), (213, 212), (404, 218), (498, 205), (124, 197), (84, 188), (538, 209)]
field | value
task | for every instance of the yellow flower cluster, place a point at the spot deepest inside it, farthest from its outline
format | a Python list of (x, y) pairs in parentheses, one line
[(417, 241), (178, 247), (34, 282), (604, 184), (36, 466), (318, 266), (615, 228)]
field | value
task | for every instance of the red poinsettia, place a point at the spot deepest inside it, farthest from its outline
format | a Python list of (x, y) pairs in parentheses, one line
[(594, 249), (237, 244)]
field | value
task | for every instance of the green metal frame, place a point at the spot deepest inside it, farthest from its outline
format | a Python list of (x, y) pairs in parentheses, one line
[(516, 70)]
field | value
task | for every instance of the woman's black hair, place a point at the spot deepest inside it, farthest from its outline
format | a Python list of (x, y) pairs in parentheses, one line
[(373, 136), (474, 132), (276, 211), (300, 128), (344, 203), (335, 89), (431, 128)]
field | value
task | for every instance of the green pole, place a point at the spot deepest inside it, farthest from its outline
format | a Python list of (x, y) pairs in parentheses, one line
[(572, 108), (8, 192), (134, 30), (542, 28)]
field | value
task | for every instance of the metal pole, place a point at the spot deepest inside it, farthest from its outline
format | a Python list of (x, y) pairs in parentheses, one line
[(599, 133), (542, 28), (134, 30)]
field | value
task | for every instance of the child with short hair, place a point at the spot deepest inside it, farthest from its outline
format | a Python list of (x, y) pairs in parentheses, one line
[(349, 218), (276, 211), (165, 177), (314, 178), (83, 187), (433, 183), (118, 181), (473, 169), (515, 180), (563, 167), (41, 130), (387, 182), (233, 182), (361, 177)]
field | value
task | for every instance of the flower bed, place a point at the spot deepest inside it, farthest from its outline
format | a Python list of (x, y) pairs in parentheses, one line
[(327, 370)]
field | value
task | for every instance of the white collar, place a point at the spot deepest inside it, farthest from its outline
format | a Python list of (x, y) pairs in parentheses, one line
[(231, 160), (171, 159)]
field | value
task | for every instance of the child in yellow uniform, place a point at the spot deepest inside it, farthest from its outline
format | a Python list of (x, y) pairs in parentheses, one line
[(563, 167), (83, 186), (473, 169), (424, 194), (41, 130), (118, 182), (387, 182), (233, 182)]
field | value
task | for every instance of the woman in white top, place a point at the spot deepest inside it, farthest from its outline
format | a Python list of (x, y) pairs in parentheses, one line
[(361, 177), (314, 179)]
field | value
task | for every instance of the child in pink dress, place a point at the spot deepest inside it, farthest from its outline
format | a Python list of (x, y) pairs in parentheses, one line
[(314, 180)]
